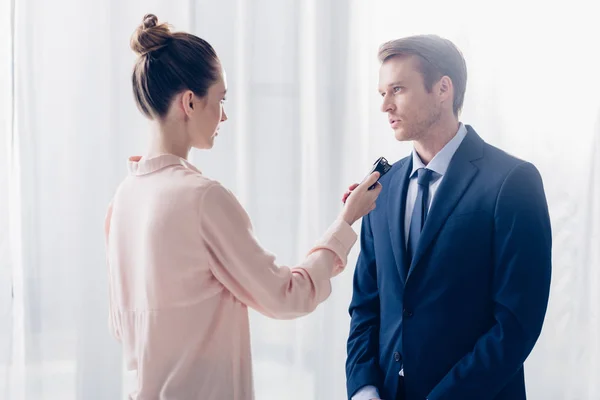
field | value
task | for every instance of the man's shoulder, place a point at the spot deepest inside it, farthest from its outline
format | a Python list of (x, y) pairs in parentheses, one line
[(499, 162), (400, 162), (490, 156), (498, 166), (395, 167), (501, 157)]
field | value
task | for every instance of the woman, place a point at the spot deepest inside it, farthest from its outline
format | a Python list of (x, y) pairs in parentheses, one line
[(184, 265)]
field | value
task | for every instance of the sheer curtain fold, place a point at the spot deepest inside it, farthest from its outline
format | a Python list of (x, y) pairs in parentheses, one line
[(304, 124), (6, 260)]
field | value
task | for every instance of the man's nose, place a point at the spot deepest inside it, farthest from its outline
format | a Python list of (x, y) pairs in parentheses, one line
[(387, 105)]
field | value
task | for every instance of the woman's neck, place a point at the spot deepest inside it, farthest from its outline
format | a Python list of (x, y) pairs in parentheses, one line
[(168, 140)]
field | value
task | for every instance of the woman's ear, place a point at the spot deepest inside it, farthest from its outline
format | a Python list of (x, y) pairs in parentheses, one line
[(187, 102)]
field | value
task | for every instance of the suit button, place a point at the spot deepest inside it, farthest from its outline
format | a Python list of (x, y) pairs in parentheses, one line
[(397, 357), (407, 313)]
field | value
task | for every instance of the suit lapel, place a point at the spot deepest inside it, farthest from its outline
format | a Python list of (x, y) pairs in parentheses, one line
[(396, 205), (459, 176)]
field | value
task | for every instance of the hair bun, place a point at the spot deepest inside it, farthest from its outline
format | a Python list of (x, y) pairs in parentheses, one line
[(150, 35), (150, 21)]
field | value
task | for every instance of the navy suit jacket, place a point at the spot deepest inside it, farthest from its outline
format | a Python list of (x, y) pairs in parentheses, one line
[(472, 306)]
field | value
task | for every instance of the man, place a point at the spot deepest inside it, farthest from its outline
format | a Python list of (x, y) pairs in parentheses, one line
[(452, 282)]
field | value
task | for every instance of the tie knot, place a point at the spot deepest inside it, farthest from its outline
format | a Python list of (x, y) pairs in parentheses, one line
[(424, 176)]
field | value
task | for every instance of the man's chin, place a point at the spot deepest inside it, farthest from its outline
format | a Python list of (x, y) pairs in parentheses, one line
[(401, 135)]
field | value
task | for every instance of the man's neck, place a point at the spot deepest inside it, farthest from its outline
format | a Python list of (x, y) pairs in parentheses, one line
[(435, 140)]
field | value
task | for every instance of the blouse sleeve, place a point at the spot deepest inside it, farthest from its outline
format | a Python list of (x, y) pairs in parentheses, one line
[(249, 272)]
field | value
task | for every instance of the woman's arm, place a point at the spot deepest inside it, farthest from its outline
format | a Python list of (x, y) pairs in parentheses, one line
[(249, 272)]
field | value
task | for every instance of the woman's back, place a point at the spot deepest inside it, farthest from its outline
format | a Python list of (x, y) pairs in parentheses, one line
[(181, 330)]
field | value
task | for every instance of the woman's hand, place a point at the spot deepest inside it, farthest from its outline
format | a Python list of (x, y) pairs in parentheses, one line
[(359, 201)]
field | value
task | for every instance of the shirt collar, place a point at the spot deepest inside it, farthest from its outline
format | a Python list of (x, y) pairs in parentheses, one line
[(440, 162), (141, 165)]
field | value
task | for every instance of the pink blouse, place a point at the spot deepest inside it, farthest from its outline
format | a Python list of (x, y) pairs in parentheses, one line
[(184, 266)]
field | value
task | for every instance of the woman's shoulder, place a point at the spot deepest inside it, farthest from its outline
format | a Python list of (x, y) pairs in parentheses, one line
[(216, 199), (214, 193), (207, 190)]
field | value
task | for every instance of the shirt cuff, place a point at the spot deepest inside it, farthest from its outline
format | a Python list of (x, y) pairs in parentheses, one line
[(366, 393), (339, 238)]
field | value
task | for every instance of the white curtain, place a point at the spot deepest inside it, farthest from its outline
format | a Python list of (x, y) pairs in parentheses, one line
[(304, 123)]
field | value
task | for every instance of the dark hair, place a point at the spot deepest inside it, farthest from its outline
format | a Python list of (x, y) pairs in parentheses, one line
[(437, 56), (168, 63)]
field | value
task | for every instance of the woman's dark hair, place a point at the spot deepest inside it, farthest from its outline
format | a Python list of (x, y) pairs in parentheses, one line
[(168, 63)]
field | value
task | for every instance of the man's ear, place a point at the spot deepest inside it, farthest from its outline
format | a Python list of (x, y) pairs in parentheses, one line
[(445, 88)]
